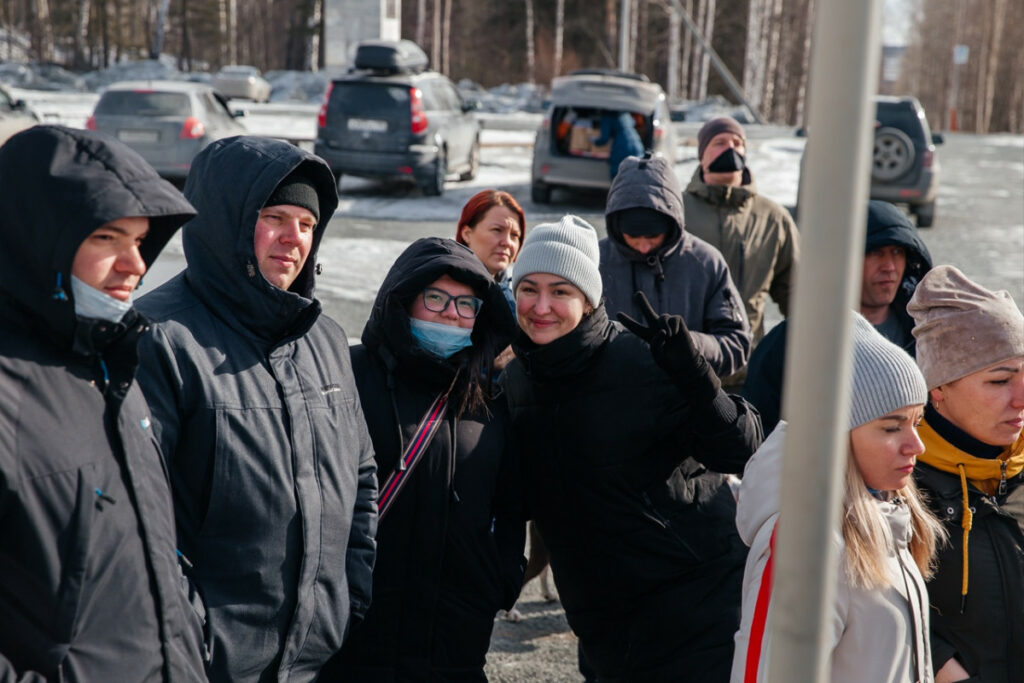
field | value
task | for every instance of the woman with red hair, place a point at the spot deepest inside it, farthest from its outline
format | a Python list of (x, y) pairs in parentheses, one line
[(493, 226)]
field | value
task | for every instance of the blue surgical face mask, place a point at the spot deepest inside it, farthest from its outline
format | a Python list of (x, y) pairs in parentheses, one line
[(440, 339), (92, 303)]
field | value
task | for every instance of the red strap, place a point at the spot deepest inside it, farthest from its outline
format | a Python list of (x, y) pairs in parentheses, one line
[(764, 594)]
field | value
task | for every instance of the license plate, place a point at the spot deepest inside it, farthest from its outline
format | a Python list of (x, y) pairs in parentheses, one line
[(368, 125), (138, 136)]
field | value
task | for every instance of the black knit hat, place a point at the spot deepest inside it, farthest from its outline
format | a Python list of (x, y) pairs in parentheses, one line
[(297, 190), (723, 124)]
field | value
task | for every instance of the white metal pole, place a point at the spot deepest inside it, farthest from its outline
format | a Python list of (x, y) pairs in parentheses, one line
[(843, 79)]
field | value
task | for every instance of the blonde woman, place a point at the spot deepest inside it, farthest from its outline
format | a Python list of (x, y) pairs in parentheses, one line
[(887, 537)]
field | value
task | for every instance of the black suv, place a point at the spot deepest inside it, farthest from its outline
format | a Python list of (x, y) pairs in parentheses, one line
[(904, 169), (390, 117)]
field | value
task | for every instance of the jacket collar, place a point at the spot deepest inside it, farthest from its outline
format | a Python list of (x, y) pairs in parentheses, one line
[(568, 355)]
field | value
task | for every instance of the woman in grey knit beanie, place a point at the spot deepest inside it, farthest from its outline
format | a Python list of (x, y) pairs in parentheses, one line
[(887, 536)]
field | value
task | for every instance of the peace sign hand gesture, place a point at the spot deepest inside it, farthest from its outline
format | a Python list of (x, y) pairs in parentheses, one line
[(671, 345)]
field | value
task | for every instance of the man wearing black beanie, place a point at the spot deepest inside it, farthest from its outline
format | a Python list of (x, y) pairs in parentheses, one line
[(757, 237), (649, 250), (256, 410)]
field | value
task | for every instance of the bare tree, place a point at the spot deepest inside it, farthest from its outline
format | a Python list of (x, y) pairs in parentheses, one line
[(531, 56), (435, 43), (421, 20), (447, 41), (559, 34)]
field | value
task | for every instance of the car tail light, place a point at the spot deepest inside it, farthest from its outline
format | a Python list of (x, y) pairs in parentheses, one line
[(659, 132), (91, 123), (418, 117), (321, 119), (192, 129), (545, 123), (927, 159)]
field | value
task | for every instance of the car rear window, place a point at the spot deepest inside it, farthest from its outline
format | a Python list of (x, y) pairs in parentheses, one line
[(369, 100), (138, 103), (902, 116)]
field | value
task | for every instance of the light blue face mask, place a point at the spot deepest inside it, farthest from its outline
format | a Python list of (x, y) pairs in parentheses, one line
[(92, 303), (440, 339)]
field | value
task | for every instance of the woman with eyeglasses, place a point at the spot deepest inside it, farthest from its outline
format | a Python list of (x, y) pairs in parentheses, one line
[(451, 534)]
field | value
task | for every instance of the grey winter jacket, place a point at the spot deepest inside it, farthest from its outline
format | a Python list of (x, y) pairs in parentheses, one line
[(757, 237), (256, 407), (90, 585), (685, 276)]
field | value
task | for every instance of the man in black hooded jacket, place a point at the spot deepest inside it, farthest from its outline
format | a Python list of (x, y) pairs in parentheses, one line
[(256, 408), (90, 586), (895, 260)]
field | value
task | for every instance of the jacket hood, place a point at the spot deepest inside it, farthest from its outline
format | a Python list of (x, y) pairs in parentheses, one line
[(888, 226), (59, 185), (423, 262), (229, 183), (646, 183)]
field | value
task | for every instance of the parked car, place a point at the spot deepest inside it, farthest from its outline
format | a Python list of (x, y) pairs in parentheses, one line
[(563, 152), (243, 82), (391, 117), (15, 116), (167, 122), (904, 167)]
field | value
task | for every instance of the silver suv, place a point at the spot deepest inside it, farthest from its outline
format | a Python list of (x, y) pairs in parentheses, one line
[(564, 154), (390, 117)]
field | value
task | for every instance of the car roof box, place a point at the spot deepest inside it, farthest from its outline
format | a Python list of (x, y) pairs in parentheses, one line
[(390, 55)]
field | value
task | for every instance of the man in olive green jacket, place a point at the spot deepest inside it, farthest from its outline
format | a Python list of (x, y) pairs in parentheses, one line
[(757, 237)]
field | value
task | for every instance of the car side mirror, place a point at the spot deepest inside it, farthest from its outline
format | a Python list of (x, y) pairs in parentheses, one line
[(937, 139), (18, 105), (469, 105)]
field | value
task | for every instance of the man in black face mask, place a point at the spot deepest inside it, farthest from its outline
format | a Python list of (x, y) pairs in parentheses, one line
[(757, 237)]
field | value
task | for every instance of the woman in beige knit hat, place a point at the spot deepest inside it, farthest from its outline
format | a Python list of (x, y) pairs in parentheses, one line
[(970, 346)]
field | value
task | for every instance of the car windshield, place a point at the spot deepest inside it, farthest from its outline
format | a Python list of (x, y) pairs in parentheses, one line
[(144, 103)]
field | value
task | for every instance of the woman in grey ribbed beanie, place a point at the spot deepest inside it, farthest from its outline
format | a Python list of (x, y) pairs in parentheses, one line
[(879, 630), (567, 248)]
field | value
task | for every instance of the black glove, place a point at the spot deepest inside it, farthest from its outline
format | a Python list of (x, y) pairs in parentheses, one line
[(673, 349)]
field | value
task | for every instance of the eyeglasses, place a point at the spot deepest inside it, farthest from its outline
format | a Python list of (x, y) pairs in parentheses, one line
[(436, 301)]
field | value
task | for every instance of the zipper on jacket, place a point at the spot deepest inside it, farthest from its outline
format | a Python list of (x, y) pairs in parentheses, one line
[(1002, 477)]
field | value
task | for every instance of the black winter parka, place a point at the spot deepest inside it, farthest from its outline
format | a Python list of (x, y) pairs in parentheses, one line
[(90, 585), (623, 477), (450, 550), (256, 409)]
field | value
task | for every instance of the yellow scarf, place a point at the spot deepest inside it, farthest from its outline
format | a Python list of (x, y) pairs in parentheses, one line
[(984, 473)]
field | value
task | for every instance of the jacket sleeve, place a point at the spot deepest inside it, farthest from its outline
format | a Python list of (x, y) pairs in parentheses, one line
[(606, 131), (160, 380), (510, 526), (362, 541), (724, 433), (786, 263), (8, 674), (763, 386), (725, 341)]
